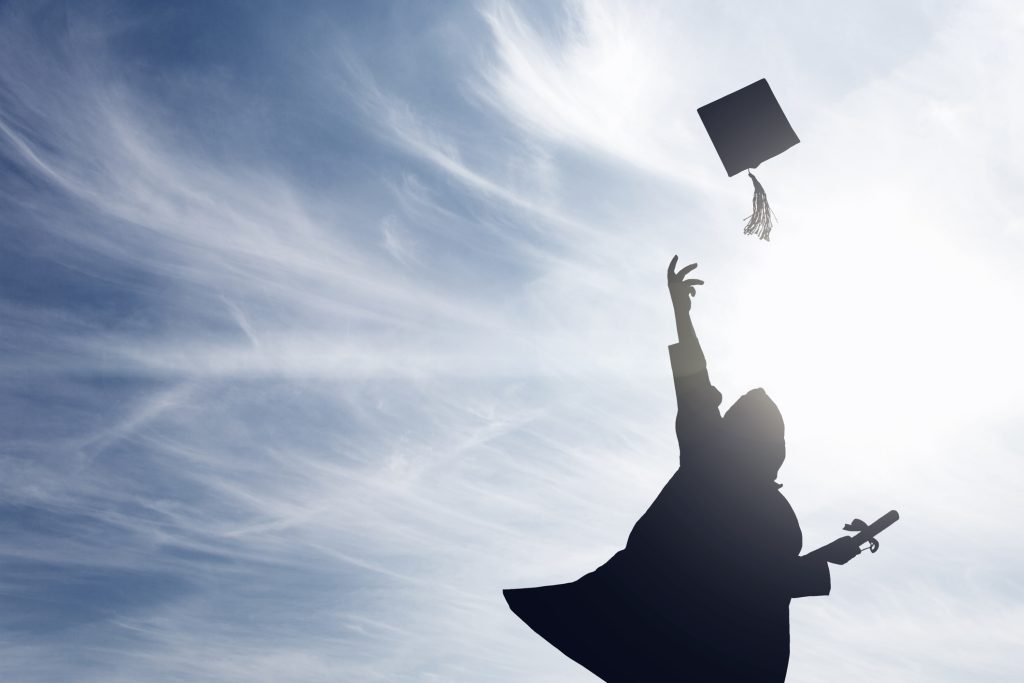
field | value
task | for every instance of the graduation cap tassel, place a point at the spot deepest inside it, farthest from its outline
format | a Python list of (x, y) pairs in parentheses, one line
[(759, 222)]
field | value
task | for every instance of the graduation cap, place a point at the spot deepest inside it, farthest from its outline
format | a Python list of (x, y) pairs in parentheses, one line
[(746, 128)]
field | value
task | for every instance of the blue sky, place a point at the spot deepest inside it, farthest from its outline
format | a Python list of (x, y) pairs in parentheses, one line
[(322, 323)]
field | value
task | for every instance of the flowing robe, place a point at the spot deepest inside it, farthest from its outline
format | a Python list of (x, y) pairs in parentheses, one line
[(701, 590)]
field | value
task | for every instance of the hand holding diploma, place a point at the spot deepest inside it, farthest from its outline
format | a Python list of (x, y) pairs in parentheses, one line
[(845, 548)]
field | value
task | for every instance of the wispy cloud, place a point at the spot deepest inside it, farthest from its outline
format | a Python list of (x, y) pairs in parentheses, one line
[(299, 371), (610, 80)]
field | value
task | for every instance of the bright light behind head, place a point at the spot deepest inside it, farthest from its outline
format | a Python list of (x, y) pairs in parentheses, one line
[(869, 335)]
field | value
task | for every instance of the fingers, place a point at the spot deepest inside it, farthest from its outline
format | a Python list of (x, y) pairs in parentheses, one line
[(675, 280), (842, 550), (852, 550), (682, 273), (688, 286), (672, 275)]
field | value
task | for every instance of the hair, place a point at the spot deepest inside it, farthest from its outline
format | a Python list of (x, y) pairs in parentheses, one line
[(754, 424)]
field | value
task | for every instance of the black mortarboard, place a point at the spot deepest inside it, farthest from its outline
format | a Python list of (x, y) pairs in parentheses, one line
[(746, 128)]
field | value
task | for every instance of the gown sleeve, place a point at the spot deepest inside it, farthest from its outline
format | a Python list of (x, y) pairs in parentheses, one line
[(697, 401), (807, 576)]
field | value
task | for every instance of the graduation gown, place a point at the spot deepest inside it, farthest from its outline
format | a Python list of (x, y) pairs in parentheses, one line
[(701, 590)]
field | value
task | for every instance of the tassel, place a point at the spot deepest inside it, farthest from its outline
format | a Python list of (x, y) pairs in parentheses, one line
[(759, 222)]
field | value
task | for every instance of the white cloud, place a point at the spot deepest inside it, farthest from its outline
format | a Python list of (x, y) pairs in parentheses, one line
[(351, 420)]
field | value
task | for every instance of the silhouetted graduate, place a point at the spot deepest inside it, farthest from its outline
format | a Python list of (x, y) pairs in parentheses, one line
[(701, 591)]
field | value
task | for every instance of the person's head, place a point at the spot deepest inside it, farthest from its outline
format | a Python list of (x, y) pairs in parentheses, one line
[(758, 434)]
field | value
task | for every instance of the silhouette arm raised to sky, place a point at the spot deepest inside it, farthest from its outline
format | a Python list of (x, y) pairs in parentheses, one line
[(697, 419), (696, 398), (702, 589)]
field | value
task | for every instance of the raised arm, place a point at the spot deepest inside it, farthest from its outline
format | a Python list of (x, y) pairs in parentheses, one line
[(681, 289), (697, 400)]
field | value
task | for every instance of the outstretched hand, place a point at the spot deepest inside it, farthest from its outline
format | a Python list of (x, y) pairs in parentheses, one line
[(679, 287), (841, 550)]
